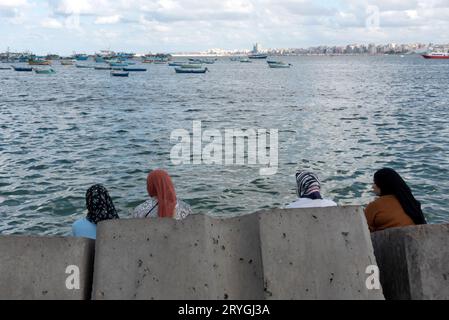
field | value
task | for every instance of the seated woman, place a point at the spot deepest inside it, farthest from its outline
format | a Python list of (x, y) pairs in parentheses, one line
[(308, 190), (163, 202), (99, 207), (396, 205)]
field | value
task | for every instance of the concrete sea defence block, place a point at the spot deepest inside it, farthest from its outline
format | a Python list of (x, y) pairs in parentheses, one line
[(34, 268), (414, 262), (197, 258), (278, 254), (316, 254)]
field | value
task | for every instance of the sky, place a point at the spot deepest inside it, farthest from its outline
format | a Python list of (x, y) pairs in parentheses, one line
[(141, 26)]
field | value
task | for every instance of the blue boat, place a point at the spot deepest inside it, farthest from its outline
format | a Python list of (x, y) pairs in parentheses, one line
[(23, 69), (119, 74), (118, 64), (81, 57), (134, 69)]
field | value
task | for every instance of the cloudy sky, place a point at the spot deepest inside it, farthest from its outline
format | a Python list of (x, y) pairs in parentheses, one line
[(64, 26)]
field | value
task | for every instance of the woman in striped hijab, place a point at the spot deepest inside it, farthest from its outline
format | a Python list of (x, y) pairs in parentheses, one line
[(309, 192)]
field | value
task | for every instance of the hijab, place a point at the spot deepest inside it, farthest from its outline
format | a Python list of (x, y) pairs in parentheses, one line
[(99, 204), (308, 185), (390, 183)]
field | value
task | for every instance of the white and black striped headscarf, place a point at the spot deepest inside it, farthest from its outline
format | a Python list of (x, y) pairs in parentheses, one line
[(307, 183), (99, 204)]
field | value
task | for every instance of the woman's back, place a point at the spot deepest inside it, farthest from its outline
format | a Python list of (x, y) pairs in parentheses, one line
[(149, 209), (386, 212)]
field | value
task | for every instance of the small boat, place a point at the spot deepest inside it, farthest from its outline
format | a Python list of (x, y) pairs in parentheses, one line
[(5, 68), (45, 71), (81, 57), (67, 62), (119, 74), (103, 68), (278, 64), (134, 69), (22, 69), (39, 62), (118, 64), (201, 61), (245, 60), (176, 63), (191, 66), (436, 55), (258, 56), (82, 66), (190, 70)]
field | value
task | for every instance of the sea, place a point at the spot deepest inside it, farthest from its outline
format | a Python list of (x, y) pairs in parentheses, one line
[(342, 117)]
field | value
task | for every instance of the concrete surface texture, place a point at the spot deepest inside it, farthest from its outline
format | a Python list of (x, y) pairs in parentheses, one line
[(278, 254), (414, 262), (41, 268), (198, 258), (316, 254)]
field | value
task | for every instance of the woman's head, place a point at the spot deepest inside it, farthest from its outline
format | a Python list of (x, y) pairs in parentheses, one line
[(99, 204), (160, 186), (389, 182), (307, 184)]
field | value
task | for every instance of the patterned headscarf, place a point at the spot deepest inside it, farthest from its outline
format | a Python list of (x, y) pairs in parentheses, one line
[(99, 204), (307, 183), (159, 185)]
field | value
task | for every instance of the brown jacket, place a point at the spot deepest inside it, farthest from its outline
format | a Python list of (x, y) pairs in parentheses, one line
[(386, 212)]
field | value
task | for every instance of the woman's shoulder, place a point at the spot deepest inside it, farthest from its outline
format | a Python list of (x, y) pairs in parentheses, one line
[(183, 209), (381, 202)]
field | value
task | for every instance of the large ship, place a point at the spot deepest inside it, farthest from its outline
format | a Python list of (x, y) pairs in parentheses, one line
[(436, 55)]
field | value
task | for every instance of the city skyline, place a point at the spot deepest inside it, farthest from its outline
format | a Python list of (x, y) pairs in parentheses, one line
[(66, 26)]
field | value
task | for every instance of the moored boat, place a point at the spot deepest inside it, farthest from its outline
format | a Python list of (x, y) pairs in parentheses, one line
[(134, 69), (191, 70), (258, 56), (5, 68), (119, 74), (245, 60), (278, 64), (176, 63), (45, 71), (103, 68), (436, 55), (84, 66), (39, 62), (118, 64), (22, 69), (67, 62)]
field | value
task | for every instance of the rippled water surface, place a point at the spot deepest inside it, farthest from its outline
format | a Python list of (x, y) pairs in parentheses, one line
[(343, 117)]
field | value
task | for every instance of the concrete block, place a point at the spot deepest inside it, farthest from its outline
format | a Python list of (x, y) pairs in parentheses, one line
[(197, 258), (414, 262), (316, 254), (34, 268)]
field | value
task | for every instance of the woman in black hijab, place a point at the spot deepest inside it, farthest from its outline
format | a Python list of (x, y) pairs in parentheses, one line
[(396, 205), (99, 208)]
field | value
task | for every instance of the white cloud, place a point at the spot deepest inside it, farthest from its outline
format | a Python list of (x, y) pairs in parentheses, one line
[(51, 23), (108, 19)]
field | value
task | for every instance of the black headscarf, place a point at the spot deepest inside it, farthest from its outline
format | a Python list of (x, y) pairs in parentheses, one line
[(99, 204), (391, 183)]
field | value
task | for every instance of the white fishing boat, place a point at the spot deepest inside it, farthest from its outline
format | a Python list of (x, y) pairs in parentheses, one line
[(278, 64)]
